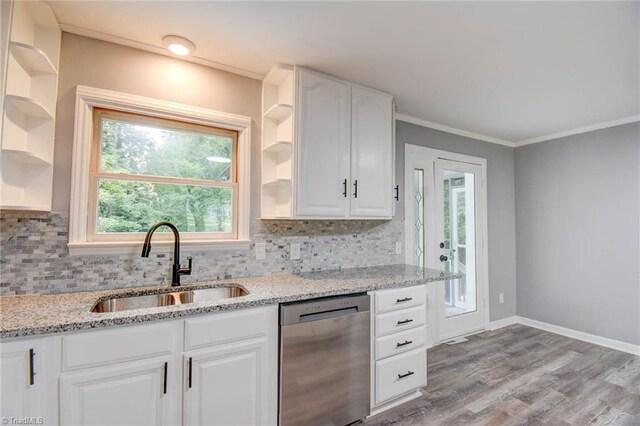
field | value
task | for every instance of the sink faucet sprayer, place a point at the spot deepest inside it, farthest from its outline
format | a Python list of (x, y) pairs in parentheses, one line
[(177, 269)]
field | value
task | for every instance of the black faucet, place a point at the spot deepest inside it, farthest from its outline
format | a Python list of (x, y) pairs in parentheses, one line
[(177, 269)]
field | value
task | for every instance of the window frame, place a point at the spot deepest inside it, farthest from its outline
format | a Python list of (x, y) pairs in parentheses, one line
[(83, 238)]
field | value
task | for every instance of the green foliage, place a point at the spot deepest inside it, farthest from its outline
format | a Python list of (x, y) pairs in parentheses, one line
[(133, 206)]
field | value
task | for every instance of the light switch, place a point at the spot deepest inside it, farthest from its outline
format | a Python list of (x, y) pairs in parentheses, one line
[(501, 297), (261, 251), (294, 251)]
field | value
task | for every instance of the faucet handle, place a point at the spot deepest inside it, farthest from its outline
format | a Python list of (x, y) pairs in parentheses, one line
[(187, 270)]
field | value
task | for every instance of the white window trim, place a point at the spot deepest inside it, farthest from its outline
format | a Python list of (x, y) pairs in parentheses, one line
[(88, 98)]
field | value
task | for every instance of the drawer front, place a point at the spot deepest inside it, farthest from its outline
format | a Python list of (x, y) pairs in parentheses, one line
[(230, 326), (400, 298), (398, 343), (400, 374), (400, 320), (119, 344)]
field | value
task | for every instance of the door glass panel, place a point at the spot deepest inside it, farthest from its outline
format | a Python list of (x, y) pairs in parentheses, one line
[(459, 241), (418, 185)]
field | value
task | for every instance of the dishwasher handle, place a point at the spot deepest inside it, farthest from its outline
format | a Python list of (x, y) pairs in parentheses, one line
[(319, 309)]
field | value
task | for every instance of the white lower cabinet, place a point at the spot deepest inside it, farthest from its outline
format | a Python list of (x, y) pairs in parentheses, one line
[(136, 392), (27, 388), (217, 369), (399, 351)]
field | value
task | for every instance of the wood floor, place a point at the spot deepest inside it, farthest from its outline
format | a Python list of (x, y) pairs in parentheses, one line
[(523, 376)]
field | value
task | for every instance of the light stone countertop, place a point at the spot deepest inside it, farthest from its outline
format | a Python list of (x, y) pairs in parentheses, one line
[(33, 315)]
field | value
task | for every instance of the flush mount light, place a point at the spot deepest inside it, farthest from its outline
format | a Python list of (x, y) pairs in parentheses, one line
[(178, 45)]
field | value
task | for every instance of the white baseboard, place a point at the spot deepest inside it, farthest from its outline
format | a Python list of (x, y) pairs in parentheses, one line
[(579, 335), (568, 332), (504, 322)]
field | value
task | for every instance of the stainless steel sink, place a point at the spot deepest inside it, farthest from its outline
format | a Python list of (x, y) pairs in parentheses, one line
[(156, 300)]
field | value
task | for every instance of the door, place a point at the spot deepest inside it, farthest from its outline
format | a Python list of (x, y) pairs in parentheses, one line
[(228, 385), (132, 393), (457, 189), (25, 384), (371, 153), (323, 146), (446, 229)]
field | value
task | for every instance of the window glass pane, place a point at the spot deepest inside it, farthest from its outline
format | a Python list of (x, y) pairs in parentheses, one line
[(418, 184), (147, 149), (125, 206)]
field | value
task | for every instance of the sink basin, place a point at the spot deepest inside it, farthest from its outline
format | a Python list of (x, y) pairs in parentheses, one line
[(156, 300)]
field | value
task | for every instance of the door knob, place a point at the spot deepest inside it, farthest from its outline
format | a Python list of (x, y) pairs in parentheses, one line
[(443, 258), (441, 245)]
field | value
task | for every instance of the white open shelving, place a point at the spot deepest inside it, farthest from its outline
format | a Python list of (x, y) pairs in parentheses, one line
[(277, 142), (28, 120)]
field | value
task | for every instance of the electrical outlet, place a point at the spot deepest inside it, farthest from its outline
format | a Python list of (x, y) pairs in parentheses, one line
[(294, 251), (398, 247), (261, 251), (501, 297)]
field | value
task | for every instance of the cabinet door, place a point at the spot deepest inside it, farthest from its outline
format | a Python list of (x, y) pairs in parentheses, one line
[(232, 385), (26, 386), (323, 141), (132, 393), (371, 153)]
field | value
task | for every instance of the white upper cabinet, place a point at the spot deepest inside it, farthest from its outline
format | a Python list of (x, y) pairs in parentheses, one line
[(332, 157), (323, 146), (371, 153)]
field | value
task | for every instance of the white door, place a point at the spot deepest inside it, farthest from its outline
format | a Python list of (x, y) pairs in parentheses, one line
[(323, 145), (25, 384), (371, 153), (446, 229), (133, 393), (230, 385)]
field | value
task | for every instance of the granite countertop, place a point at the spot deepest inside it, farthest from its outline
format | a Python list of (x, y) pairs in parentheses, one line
[(33, 315)]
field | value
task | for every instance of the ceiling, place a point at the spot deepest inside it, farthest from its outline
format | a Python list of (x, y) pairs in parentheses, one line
[(506, 72)]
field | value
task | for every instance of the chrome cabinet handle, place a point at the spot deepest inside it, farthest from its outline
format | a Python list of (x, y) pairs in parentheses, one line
[(407, 321), (402, 376), (406, 299), (406, 342)]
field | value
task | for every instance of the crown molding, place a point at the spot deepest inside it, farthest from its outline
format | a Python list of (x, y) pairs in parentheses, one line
[(598, 126), (86, 32), (453, 130)]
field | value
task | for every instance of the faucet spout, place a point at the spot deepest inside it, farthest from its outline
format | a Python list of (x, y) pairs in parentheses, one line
[(177, 270)]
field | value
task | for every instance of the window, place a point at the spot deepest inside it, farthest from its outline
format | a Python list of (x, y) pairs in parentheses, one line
[(146, 169), (138, 165)]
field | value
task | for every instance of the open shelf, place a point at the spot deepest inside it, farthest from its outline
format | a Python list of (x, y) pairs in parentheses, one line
[(278, 147), (27, 106), (32, 59), (26, 157), (278, 74), (277, 182), (25, 208), (278, 112)]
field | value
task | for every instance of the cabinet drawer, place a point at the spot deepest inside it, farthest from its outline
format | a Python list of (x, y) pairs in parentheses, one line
[(230, 327), (400, 298), (400, 320), (400, 374), (398, 343), (112, 345)]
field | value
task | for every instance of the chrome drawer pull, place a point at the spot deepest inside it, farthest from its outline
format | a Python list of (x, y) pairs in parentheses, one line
[(407, 321), (402, 376), (406, 342), (406, 299)]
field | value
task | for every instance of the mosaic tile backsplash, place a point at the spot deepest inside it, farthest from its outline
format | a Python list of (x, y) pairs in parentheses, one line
[(34, 257)]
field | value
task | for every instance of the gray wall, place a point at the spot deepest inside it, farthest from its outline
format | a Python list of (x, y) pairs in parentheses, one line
[(578, 236), (501, 203)]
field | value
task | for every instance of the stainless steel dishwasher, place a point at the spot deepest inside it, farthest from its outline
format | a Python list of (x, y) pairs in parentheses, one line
[(325, 361)]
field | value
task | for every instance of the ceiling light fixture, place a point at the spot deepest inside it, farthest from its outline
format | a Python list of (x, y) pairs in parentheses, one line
[(178, 45)]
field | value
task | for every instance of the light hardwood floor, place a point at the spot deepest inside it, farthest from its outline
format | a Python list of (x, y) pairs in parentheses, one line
[(520, 375)]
